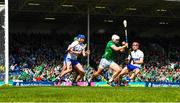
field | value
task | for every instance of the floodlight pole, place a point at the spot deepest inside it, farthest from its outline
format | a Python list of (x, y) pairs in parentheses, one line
[(6, 43), (88, 33)]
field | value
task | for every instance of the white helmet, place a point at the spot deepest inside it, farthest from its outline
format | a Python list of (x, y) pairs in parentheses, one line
[(115, 37)]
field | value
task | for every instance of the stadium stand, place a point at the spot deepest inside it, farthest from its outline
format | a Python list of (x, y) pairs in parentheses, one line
[(39, 57)]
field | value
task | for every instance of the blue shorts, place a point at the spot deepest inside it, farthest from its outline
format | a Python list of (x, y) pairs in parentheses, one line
[(132, 67), (73, 62)]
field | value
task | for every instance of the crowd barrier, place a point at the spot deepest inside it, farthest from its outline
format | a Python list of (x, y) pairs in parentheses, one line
[(153, 84), (20, 83), (130, 84), (2, 83), (162, 84)]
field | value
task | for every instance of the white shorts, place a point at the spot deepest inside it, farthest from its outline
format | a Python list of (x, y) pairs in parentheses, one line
[(104, 63)]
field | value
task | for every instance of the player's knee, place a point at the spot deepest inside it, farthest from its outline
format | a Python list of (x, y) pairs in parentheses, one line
[(122, 72), (82, 73), (69, 70), (137, 71), (97, 73), (68, 67), (118, 70)]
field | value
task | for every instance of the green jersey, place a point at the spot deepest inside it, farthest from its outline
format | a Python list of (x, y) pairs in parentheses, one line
[(40, 67), (110, 54), (24, 76)]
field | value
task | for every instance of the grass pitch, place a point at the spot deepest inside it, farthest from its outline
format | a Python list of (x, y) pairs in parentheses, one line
[(89, 94)]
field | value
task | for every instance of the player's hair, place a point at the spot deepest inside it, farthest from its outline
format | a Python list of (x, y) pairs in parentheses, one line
[(138, 42)]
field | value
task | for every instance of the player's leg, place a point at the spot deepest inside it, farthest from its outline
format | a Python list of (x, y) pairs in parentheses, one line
[(74, 75), (80, 71), (103, 64), (116, 70), (124, 71), (97, 73), (68, 68), (136, 72), (66, 75), (64, 67), (62, 70)]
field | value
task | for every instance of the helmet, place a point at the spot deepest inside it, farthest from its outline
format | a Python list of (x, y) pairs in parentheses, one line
[(81, 36), (115, 37)]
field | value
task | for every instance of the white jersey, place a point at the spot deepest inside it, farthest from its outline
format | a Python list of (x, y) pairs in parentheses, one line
[(135, 56), (76, 47)]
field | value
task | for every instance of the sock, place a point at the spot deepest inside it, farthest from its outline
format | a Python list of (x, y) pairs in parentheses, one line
[(110, 80)]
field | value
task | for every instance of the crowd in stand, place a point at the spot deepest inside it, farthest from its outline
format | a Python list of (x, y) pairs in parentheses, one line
[(162, 61), (39, 57)]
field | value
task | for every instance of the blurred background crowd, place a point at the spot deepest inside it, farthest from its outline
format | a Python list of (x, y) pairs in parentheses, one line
[(39, 57)]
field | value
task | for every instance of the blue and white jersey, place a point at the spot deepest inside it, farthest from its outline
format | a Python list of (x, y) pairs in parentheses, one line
[(136, 55), (76, 47)]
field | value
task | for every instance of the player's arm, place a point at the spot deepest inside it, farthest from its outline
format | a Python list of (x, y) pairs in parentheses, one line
[(120, 48), (68, 49), (124, 44), (74, 52), (71, 46), (85, 53), (127, 60), (141, 61)]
